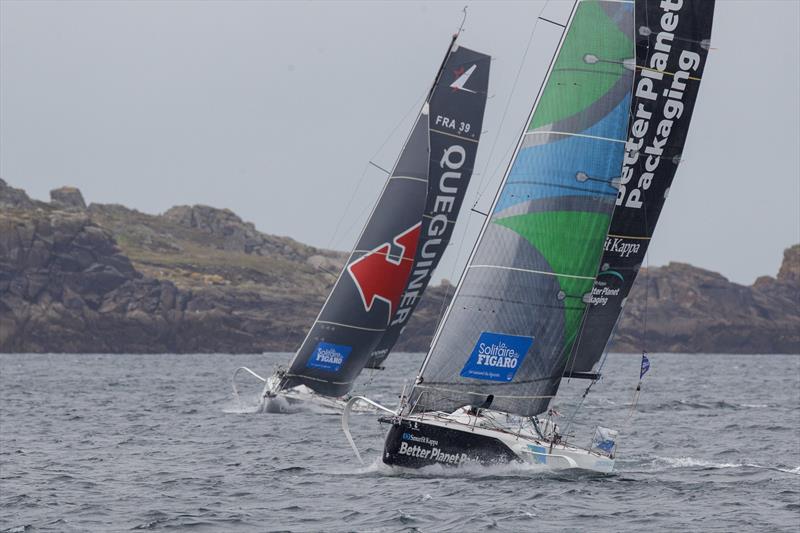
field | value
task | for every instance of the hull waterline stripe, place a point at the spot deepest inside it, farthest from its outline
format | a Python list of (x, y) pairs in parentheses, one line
[(533, 272)]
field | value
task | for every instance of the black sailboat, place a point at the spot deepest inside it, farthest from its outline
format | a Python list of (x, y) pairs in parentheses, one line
[(401, 244)]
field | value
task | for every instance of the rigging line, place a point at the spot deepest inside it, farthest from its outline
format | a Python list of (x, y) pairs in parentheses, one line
[(335, 235), (551, 21), (453, 272), (481, 185), (379, 167), (606, 351), (463, 20)]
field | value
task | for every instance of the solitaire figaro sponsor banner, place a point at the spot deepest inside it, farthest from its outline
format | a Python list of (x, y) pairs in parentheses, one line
[(329, 356), (496, 356)]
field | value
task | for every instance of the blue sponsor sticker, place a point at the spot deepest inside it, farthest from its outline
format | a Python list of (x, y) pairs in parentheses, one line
[(329, 357), (539, 453), (496, 356)]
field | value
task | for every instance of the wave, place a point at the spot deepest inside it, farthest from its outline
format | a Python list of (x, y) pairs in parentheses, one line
[(691, 462), (685, 405), (472, 471)]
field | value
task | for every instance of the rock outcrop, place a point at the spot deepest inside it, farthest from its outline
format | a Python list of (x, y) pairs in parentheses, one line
[(199, 279), (11, 198), (67, 198), (689, 309)]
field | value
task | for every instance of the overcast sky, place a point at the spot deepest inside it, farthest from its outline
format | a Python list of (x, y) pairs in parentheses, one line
[(274, 109)]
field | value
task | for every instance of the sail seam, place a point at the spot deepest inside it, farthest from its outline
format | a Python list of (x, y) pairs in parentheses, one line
[(348, 325), (423, 180), (303, 376), (384, 254), (437, 216), (644, 238), (532, 271), (454, 135), (598, 137)]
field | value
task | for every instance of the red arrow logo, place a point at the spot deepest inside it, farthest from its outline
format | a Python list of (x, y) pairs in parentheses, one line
[(378, 275)]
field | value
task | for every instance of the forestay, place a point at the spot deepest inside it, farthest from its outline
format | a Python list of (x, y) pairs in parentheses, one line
[(405, 235), (518, 307), (672, 43)]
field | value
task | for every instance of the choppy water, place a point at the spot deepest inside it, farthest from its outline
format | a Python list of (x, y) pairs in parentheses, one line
[(114, 443)]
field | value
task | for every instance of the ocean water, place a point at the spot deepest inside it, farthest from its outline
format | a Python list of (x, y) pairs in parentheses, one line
[(146, 442)]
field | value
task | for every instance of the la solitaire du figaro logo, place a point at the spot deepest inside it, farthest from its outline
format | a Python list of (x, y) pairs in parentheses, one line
[(496, 356)]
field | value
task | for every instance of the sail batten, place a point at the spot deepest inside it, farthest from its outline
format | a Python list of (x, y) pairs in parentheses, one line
[(519, 304)]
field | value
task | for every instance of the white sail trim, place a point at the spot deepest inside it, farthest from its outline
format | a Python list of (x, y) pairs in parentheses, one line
[(549, 132), (532, 271)]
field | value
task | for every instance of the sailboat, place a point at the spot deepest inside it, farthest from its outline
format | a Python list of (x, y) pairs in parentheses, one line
[(400, 246), (579, 199)]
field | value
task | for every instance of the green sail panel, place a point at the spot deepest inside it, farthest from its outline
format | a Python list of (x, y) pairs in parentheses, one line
[(518, 308)]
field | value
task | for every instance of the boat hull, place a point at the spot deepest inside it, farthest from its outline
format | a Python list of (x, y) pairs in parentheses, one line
[(416, 442)]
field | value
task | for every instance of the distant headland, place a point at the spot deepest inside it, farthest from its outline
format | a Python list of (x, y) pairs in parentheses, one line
[(104, 278)]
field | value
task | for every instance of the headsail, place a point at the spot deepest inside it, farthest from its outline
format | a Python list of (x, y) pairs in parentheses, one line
[(672, 43), (405, 236), (518, 307)]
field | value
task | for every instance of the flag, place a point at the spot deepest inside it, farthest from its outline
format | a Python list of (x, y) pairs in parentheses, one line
[(645, 366)]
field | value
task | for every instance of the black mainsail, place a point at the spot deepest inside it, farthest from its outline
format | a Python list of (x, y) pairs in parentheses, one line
[(405, 236), (672, 43)]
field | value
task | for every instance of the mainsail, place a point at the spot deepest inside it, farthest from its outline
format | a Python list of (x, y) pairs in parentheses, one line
[(672, 43), (405, 236), (517, 310)]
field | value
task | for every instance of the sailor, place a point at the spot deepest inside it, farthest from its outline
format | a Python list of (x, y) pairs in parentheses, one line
[(476, 411)]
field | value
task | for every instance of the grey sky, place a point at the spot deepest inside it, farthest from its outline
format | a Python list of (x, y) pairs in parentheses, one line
[(273, 109)]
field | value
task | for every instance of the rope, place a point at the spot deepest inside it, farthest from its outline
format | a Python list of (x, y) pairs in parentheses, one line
[(335, 235), (482, 185)]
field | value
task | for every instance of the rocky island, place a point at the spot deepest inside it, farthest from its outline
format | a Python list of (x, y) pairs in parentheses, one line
[(104, 278)]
